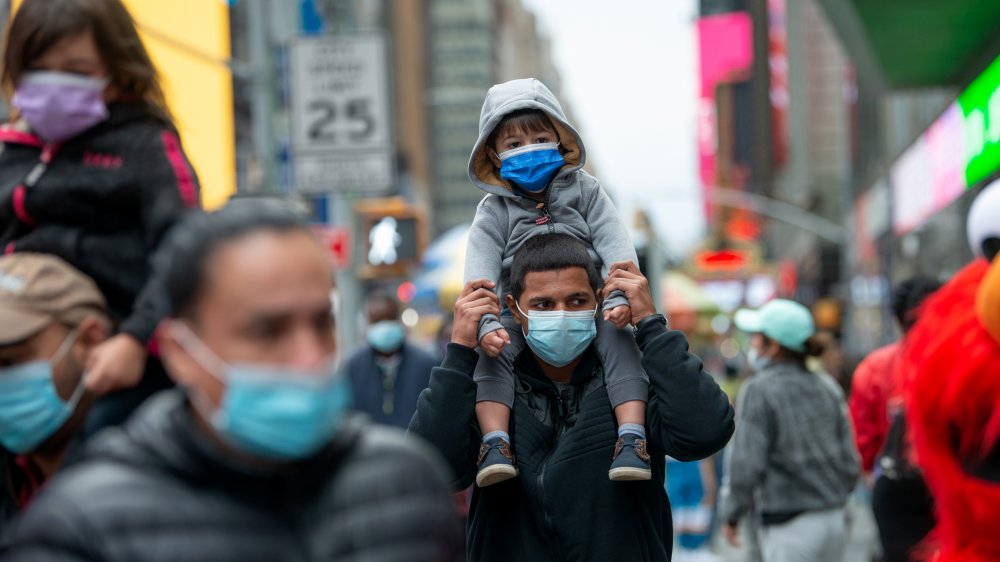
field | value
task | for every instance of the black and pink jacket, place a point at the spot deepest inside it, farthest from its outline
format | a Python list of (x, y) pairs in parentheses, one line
[(103, 202)]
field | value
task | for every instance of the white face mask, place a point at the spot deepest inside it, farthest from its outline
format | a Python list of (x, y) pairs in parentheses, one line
[(755, 361)]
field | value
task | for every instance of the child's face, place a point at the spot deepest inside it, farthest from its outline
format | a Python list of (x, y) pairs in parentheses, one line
[(515, 138)]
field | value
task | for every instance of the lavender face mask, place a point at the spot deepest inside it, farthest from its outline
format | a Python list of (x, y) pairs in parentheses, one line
[(59, 105)]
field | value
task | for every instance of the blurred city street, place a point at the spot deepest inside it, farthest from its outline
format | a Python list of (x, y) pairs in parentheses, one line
[(487, 280)]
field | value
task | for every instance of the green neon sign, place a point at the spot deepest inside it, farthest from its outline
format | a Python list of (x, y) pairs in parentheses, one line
[(980, 104)]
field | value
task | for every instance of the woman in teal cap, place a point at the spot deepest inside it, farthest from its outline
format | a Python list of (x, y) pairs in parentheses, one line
[(793, 454)]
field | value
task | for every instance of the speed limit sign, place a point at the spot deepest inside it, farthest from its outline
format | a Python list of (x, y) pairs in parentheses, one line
[(341, 120)]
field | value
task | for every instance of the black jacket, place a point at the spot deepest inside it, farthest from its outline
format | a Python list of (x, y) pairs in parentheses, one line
[(159, 490), (103, 203), (562, 505), (370, 384)]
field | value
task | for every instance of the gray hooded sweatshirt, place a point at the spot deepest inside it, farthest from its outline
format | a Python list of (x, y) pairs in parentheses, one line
[(574, 203)]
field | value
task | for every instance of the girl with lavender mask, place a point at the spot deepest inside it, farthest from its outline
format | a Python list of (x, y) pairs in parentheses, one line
[(92, 170)]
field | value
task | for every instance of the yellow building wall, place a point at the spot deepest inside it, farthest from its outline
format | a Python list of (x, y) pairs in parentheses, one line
[(189, 42)]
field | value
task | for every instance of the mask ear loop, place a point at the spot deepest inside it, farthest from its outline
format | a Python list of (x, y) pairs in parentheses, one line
[(60, 354), (203, 356)]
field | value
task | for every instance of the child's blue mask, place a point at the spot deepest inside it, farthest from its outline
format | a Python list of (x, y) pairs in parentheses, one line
[(531, 167)]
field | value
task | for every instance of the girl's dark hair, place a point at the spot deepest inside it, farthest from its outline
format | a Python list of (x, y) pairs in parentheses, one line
[(522, 120), (180, 262), (40, 24)]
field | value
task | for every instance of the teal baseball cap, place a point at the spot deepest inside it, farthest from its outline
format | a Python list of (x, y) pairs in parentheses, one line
[(784, 321)]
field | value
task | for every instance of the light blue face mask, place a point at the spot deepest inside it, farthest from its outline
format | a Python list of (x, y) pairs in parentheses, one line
[(273, 412), (386, 336), (531, 167), (31, 410), (558, 337)]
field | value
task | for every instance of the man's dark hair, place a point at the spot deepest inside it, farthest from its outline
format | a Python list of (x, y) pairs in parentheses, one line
[(548, 252), (909, 296), (180, 262)]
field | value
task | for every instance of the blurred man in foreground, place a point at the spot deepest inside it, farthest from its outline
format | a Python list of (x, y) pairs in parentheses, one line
[(254, 457)]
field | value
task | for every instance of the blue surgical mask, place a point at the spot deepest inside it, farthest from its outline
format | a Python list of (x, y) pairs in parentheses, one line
[(531, 167), (386, 336), (274, 412), (558, 337), (31, 410)]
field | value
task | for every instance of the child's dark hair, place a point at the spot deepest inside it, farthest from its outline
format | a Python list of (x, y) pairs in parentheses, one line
[(528, 120)]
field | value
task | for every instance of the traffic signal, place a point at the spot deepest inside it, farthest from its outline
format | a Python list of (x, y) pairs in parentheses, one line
[(392, 233)]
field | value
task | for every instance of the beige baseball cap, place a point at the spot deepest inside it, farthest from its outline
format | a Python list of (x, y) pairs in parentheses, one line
[(39, 289)]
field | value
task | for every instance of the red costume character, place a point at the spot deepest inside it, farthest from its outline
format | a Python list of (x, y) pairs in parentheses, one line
[(953, 402)]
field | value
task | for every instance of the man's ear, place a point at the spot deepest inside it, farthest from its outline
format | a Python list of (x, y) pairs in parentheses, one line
[(773, 348), (178, 363), (512, 306), (90, 333)]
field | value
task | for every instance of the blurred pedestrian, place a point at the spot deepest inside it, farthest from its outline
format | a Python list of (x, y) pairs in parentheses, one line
[(51, 319), (901, 502), (92, 170), (388, 373), (564, 507), (529, 160), (255, 456), (953, 395), (691, 487), (793, 452)]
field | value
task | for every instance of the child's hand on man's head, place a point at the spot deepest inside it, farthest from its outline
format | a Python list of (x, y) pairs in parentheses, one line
[(619, 315), (493, 342)]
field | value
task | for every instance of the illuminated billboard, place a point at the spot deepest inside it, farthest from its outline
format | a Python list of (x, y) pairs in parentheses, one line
[(959, 150)]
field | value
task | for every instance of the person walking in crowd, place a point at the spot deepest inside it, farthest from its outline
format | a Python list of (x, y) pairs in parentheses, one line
[(254, 456), (529, 160), (692, 487), (388, 374), (563, 507), (92, 170), (952, 397), (51, 318), (793, 453), (901, 502)]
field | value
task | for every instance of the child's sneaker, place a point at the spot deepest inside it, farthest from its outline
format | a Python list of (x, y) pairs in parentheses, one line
[(631, 461), (496, 462)]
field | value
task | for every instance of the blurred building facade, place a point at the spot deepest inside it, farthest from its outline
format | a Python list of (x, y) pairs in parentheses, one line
[(774, 138), (847, 110), (445, 54), (927, 78)]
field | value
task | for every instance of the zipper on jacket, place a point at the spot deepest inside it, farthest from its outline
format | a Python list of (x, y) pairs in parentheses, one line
[(546, 515), (546, 218)]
